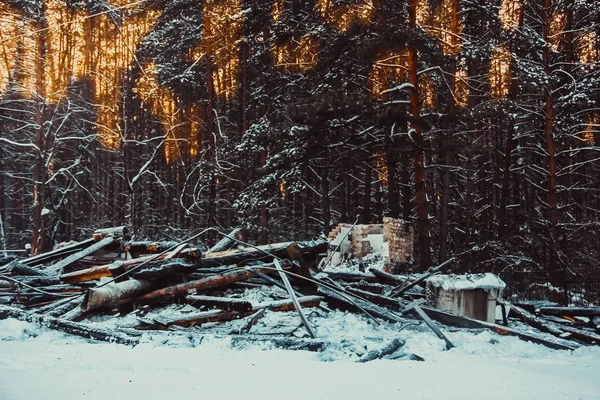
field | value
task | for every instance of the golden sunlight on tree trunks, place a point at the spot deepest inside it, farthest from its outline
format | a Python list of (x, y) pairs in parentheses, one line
[(441, 22), (18, 50), (389, 69), (382, 169), (223, 20), (461, 85), (587, 48), (510, 11), (65, 62), (114, 51), (343, 16), (297, 55), (592, 127), (180, 124), (278, 9), (558, 22), (500, 74)]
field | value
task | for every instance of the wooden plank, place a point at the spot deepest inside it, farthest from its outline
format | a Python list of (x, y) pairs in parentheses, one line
[(290, 290), (56, 253), (416, 307), (59, 266), (223, 303)]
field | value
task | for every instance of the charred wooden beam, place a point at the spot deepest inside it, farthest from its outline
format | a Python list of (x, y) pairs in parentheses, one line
[(172, 292), (470, 323), (101, 271), (59, 266), (57, 253), (73, 328), (222, 303), (160, 269), (388, 349), (415, 307), (571, 311)]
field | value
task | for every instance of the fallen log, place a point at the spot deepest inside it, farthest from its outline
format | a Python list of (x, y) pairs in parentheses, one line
[(160, 269), (585, 336), (222, 303), (237, 256), (101, 271), (114, 232), (393, 278), (534, 321), (348, 276), (73, 328), (59, 266), (252, 320), (18, 268), (225, 243), (386, 350), (40, 280), (287, 343), (222, 315), (571, 311), (170, 293), (114, 294), (56, 253), (470, 323)]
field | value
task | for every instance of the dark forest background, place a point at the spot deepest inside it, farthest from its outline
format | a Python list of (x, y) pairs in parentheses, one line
[(474, 119)]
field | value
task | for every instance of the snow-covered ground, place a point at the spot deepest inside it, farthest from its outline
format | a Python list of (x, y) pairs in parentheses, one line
[(36, 363)]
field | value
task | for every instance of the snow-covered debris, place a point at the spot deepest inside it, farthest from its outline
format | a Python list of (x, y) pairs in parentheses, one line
[(485, 281)]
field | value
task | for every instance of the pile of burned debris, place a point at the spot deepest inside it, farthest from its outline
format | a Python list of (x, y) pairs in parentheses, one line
[(231, 288)]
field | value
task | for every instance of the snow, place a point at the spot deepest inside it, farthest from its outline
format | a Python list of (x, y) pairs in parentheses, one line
[(469, 281), (39, 363)]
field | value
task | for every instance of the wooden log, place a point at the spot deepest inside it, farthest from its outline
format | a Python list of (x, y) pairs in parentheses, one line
[(59, 266), (114, 294), (200, 318), (393, 278), (582, 335), (470, 323), (222, 303), (161, 269), (40, 280), (287, 343), (571, 311), (348, 276), (237, 256), (114, 232), (375, 288), (170, 293), (62, 307), (57, 253), (388, 349), (101, 271), (534, 321), (17, 268), (225, 243), (137, 248), (73, 328)]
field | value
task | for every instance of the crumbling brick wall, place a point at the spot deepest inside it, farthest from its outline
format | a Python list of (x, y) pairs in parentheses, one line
[(393, 239)]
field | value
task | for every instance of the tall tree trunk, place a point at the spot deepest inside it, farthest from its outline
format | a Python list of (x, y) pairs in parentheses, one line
[(39, 169), (419, 160)]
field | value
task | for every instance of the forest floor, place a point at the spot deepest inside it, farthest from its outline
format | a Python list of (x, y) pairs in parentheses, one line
[(37, 363)]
